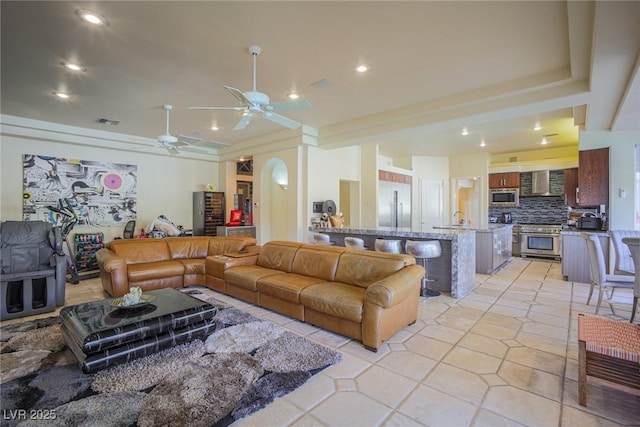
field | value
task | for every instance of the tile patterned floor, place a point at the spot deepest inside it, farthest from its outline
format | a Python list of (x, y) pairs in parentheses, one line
[(505, 355)]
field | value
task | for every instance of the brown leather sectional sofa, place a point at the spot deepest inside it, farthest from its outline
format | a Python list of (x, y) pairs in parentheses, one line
[(161, 263), (365, 295)]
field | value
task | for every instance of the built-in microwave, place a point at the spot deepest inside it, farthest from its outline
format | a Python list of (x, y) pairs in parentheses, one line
[(504, 197)]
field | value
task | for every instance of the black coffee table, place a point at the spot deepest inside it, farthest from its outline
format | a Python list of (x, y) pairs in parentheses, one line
[(101, 335)]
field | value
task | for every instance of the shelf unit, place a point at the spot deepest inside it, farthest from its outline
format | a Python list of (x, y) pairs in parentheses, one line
[(208, 212)]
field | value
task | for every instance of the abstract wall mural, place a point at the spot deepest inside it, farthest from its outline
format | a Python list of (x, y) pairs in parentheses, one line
[(101, 194)]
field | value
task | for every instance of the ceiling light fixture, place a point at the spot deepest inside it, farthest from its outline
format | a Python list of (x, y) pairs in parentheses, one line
[(214, 127), (293, 95), (362, 68), (465, 131), (482, 143), (62, 95), (537, 126), (544, 141), (91, 17), (73, 67)]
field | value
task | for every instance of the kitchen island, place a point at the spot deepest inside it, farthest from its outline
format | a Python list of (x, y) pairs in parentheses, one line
[(454, 270)]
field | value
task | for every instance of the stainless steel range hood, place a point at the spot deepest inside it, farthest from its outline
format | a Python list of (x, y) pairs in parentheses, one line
[(540, 183)]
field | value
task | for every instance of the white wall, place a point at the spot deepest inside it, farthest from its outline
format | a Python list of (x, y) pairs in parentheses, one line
[(165, 184), (430, 168), (621, 172)]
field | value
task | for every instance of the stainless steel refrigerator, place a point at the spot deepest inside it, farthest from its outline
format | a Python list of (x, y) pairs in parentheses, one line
[(394, 205)]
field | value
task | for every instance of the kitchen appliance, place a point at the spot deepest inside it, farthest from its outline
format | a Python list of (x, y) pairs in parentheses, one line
[(395, 205), (504, 197), (506, 218), (589, 221), (540, 182), (540, 240)]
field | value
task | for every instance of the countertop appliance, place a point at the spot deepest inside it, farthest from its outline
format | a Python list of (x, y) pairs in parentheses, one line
[(504, 197), (506, 218), (589, 222), (541, 240)]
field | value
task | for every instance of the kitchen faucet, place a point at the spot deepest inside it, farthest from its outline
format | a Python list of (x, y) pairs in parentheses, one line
[(462, 220)]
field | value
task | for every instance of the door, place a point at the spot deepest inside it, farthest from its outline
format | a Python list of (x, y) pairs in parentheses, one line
[(431, 203)]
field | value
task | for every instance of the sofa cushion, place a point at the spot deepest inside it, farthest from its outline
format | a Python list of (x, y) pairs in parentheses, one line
[(361, 268), (317, 261), (154, 270), (286, 286), (136, 251), (224, 244), (335, 299), (193, 266), (247, 276), (188, 248), (278, 255)]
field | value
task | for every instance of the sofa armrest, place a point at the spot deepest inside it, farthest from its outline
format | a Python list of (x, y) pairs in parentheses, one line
[(395, 288), (113, 272)]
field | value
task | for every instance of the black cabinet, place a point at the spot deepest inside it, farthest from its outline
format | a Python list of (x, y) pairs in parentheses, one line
[(208, 212)]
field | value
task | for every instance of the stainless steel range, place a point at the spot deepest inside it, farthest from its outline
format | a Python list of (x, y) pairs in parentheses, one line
[(540, 240)]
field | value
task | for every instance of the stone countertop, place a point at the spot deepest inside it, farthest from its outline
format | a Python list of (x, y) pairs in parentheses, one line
[(441, 233), (572, 231), (455, 270)]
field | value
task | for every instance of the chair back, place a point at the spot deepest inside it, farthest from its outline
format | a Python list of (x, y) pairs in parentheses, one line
[(354, 243), (28, 246), (129, 229), (596, 258), (321, 239), (623, 260)]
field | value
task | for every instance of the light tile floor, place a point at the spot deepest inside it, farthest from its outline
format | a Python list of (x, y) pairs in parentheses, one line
[(505, 355)]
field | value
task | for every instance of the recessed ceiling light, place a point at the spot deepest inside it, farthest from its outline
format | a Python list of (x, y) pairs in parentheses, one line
[(544, 141), (465, 131), (214, 127), (73, 67), (62, 95), (293, 95), (362, 68), (537, 126), (482, 143), (92, 17)]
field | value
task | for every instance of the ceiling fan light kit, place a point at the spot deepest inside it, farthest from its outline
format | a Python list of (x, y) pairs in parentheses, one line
[(258, 102)]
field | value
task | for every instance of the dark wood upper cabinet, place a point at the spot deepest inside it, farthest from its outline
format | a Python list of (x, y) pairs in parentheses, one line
[(593, 177), (504, 180), (570, 186)]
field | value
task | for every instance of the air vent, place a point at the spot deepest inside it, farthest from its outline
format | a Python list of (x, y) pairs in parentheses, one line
[(321, 84), (108, 122)]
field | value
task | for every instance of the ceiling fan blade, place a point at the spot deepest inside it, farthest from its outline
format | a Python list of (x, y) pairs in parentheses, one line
[(239, 95), (218, 108), (281, 120), (188, 139), (171, 149), (302, 104), (244, 121)]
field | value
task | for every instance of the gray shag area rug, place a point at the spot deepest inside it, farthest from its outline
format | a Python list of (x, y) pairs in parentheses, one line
[(243, 366)]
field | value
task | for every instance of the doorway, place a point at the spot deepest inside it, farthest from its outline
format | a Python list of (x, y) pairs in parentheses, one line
[(466, 198), (349, 203)]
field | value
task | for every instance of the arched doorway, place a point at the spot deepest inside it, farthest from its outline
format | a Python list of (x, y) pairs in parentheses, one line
[(274, 212)]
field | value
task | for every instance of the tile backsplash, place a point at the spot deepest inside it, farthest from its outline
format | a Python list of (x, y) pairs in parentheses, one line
[(538, 209)]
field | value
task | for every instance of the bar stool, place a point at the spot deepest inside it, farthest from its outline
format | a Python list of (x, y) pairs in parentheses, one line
[(422, 250), (321, 239), (390, 246), (354, 243)]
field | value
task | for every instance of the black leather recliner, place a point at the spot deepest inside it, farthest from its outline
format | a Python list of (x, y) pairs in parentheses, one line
[(34, 268)]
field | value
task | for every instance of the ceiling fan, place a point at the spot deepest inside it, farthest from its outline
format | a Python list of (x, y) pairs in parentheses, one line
[(253, 102), (170, 142)]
